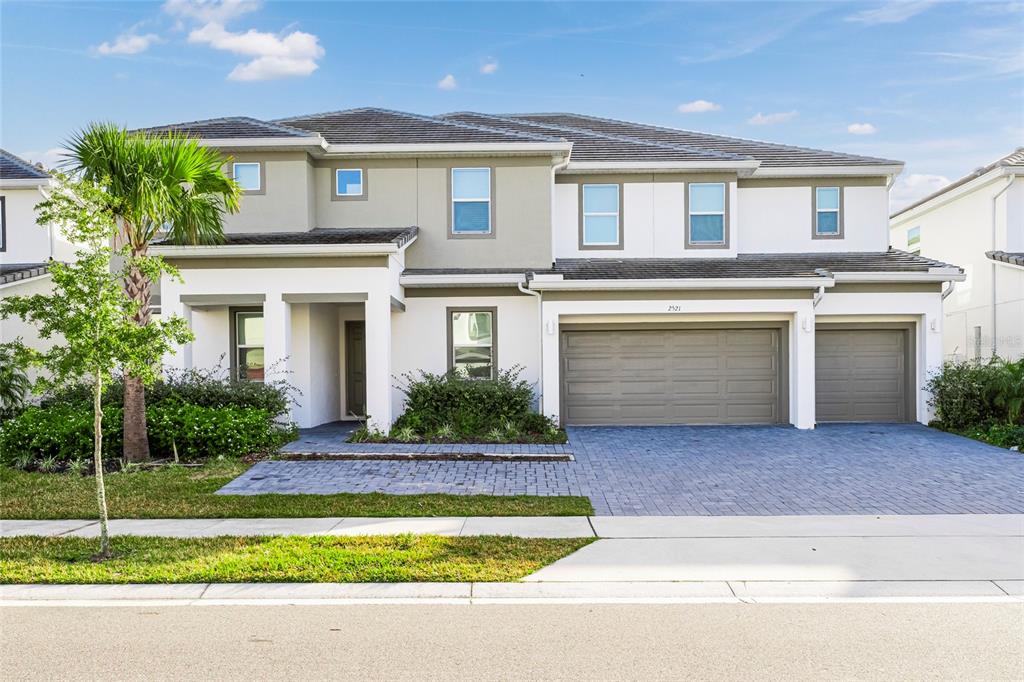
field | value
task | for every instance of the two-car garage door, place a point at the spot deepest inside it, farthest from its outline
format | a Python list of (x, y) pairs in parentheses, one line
[(729, 376)]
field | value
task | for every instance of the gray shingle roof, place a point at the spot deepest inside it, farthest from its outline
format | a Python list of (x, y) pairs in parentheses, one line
[(1014, 158), (340, 235), (769, 154), (232, 127), (16, 168), (1011, 257), (384, 126), (14, 272), (753, 265)]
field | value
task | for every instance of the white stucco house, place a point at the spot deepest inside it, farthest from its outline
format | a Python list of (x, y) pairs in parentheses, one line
[(638, 274), (978, 221)]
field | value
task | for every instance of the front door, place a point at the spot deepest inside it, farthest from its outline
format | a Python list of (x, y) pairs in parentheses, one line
[(355, 367)]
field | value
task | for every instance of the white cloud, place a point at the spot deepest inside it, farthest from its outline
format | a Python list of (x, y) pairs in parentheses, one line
[(210, 11), (909, 189), (273, 56), (861, 129), (447, 83), (892, 12), (760, 119), (50, 158), (489, 67), (127, 43), (698, 106)]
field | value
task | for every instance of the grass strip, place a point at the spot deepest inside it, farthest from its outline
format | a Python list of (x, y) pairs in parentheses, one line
[(180, 492), (404, 558)]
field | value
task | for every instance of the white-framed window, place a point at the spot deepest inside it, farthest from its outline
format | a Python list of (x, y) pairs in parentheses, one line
[(472, 342), (601, 215), (248, 175), (706, 209), (827, 220), (914, 240), (471, 201), (248, 345), (348, 182)]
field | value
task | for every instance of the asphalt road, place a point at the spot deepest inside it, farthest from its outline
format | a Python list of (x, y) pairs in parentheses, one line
[(515, 642)]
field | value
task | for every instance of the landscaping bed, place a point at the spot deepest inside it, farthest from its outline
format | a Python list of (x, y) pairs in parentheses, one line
[(420, 558), (189, 492), (981, 400)]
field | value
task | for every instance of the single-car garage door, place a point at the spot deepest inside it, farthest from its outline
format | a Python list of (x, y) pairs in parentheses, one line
[(861, 375), (672, 376)]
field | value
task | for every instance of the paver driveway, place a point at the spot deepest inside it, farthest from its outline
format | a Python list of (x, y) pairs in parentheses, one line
[(708, 470)]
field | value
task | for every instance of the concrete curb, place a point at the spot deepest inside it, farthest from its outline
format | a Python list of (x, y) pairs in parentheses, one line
[(711, 592)]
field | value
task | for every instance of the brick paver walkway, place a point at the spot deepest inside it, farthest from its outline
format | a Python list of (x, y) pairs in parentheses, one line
[(716, 470)]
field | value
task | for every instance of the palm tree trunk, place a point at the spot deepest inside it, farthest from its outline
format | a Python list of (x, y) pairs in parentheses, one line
[(97, 454), (136, 439)]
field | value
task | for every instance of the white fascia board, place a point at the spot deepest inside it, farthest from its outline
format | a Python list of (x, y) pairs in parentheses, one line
[(692, 283), (905, 215), (658, 166), (273, 250), (448, 148), (826, 171), (316, 142), (24, 183), (479, 280), (1013, 266), (933, 275)]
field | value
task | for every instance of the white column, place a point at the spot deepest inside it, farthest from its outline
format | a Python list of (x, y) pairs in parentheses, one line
[(378, 359), (801, 381), (551, 366), (929, 359), (277, 342), (170, 304)]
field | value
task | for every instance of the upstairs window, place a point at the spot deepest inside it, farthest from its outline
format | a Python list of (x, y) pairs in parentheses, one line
[(472, 343), (248, 345), (249, 176), (914, 241), (827, 212), (471, 201), (706, 214), (600, 217), (348, 182)]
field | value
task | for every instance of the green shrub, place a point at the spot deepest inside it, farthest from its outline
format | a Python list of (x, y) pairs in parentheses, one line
[(1002, 435), (962, 394), (63, 432), (14, 384)]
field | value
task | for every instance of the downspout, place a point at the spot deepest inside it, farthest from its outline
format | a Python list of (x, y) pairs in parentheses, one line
[(524, 287), (948, 290), (995, 342)]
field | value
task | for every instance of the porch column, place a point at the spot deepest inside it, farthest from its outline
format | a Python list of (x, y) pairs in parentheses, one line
[(550, 364), (378, 360), (802, 412), (181, 357), (277, 344), (929, 359)]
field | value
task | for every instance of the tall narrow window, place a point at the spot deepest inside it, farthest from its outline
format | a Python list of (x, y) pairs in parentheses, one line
[(248, 346), (472, 346), (601, 216), (248, 175), (827, 212), (3, 223), (706, 220), (914, 240), (348, 182), (471, 201)]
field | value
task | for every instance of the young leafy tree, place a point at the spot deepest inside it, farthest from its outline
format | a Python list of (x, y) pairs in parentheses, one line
[(88, 314), (161, 185)]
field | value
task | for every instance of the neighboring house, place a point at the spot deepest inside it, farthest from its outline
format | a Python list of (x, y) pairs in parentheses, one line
[(638, 274), (25, 247), (977, 221)]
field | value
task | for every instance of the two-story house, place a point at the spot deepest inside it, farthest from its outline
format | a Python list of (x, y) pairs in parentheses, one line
[(637, 274), (978, 221)]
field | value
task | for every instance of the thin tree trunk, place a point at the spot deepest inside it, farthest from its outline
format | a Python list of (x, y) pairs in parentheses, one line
[(136, 438), (97, 454)]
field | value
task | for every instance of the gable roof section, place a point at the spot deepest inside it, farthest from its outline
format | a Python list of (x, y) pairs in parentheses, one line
[(16, 168), (1011, 160), (769, 154), (228, 128)]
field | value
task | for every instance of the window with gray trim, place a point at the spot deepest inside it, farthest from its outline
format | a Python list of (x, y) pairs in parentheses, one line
[(471, 201), (827, 212), (472, 342), (602, 213), (248, 175), (3, 223), (914, 240), (247, 359), (348, 182), (705, 218)]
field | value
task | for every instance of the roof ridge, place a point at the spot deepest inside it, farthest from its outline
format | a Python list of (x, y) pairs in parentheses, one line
[(714, 135), (25, 165), (424, 117), (607, 136)]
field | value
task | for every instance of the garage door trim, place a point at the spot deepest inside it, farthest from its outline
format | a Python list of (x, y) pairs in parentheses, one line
[(781, 326), (909, 330)]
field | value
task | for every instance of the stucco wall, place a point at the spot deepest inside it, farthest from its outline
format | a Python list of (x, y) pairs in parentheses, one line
[(285, 204), (26, 241), (13, 328)]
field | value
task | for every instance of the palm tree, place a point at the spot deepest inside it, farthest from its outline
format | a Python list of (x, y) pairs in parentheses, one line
[(167, 185)]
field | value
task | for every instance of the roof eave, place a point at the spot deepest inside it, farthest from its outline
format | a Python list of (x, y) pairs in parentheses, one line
[(954, 191), (741, 166), (25, 183), (468, 280), (313, 142), (683, 283), (277, 250), (932, 275), (874, 170)]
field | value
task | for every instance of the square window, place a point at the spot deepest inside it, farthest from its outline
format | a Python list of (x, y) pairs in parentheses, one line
[(601, 215), (828, 222), (706, 213), (349, 182), (247, 175), (471, 200), (471, 343)]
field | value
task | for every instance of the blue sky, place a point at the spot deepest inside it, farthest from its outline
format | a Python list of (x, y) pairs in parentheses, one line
[(939, 85)]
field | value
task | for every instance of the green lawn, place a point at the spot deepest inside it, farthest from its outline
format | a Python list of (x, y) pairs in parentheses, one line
[(424, 558), (179, 492)]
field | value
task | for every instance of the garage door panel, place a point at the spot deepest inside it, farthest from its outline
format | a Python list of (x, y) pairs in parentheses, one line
[(860, 375)]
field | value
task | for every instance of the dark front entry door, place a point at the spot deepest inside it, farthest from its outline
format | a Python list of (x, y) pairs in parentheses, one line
[(355, 367)]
